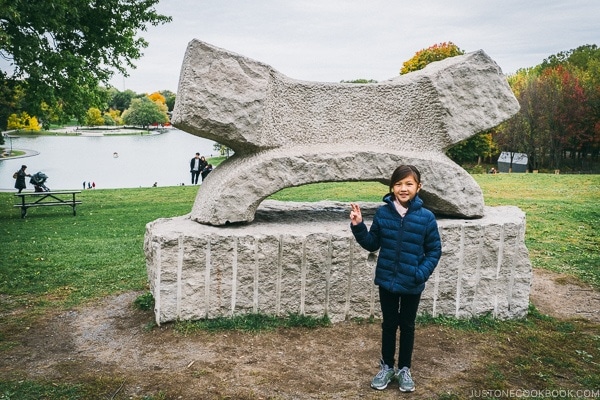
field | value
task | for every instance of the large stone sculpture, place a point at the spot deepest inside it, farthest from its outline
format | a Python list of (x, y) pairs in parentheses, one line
[(288, 133), (235, 253)]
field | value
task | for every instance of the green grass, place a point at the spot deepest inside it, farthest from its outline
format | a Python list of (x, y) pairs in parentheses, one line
[(563, 216), (53, 258), (14, 153), (338, 191), (251, 323)]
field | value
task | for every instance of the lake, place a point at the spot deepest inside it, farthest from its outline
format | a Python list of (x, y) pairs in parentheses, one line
[(109, 161)]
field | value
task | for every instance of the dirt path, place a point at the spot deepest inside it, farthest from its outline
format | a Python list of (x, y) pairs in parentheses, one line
[(112, 341)]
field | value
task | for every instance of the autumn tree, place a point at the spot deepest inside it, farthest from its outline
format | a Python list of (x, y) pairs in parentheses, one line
[(584, 64), (433, 53), (23, 121), (474, 148), (157, 97), (523, 133), (59, 51), (93, 117), (558, 124)]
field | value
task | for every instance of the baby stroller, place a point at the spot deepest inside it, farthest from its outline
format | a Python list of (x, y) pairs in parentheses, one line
[(37, 180)]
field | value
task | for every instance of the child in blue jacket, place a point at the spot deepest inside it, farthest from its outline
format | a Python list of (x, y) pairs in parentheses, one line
[(407, 237)]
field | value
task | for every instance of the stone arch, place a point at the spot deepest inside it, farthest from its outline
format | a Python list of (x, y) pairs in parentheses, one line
[(235, 189)]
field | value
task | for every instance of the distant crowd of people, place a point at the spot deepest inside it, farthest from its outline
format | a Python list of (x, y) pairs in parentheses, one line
[(199, 167)]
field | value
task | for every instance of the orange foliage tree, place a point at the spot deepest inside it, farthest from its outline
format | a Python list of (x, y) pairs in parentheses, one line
[(157, 97)]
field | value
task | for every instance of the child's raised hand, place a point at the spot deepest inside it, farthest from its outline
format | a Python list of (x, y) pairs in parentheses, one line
[(355, 214)]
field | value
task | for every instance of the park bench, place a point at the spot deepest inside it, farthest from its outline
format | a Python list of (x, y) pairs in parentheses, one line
[(46, 199)]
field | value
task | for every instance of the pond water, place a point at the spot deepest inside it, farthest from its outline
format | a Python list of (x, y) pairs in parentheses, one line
[(108, 161)]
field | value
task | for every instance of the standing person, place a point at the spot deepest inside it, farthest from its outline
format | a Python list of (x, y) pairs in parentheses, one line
[(20, 178), (195, 168), (407, 237)]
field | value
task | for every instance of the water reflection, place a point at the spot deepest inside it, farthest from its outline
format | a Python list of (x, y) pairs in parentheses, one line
[(108, 161)]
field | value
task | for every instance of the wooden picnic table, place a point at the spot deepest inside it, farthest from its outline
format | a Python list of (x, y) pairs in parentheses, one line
[(45, 199)]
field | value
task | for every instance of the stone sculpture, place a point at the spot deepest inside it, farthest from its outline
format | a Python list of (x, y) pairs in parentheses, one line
[(288, 133), (300, 257)]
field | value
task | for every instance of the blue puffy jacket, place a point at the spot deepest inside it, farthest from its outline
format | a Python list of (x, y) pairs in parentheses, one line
[(409, 247)]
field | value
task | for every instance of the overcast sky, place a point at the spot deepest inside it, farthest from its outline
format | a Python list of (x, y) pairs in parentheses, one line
[(334, 40)]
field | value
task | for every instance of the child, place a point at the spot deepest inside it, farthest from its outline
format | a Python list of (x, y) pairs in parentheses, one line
[(406, 235)]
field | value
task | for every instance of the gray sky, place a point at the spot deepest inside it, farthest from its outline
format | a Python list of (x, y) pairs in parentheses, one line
[(333, 40)]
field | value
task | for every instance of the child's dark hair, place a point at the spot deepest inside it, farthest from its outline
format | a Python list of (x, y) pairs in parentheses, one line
[(402, 172)]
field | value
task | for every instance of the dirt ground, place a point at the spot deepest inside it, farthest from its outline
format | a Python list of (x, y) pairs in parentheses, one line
[(112, 341)]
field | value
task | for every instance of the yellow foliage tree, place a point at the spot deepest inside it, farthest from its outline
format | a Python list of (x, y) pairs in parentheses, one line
[(433, 53), (23, 122), (115, 115), (32, 124), (14, 122), (93, 117)]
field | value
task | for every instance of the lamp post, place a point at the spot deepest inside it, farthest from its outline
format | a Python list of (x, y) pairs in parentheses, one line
[(6, 135)]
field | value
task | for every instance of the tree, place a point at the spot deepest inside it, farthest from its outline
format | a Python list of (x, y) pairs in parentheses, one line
[(145, 112), (223, 150), (433, 53), (479, 146), (558, 125), (94, 117), (474, 148), (524, 132), (169, 98), (23, 121), (113, 117), (157, 97), (60, 50), (120, 100)]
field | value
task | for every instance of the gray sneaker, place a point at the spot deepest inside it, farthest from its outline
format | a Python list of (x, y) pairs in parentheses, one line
[(405, 380), (383, 377)]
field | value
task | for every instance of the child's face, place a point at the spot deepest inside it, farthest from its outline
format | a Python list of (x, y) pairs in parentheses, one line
[(406, 189)]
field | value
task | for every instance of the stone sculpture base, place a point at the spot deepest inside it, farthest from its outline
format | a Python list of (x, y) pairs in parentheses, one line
[(302, 258)]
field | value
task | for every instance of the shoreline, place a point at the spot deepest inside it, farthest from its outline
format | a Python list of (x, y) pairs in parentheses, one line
[(77, 131), (108, 131), (93, 131)]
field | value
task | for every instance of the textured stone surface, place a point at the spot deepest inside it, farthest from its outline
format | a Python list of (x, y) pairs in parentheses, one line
[(302, 258), (287, 132)]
